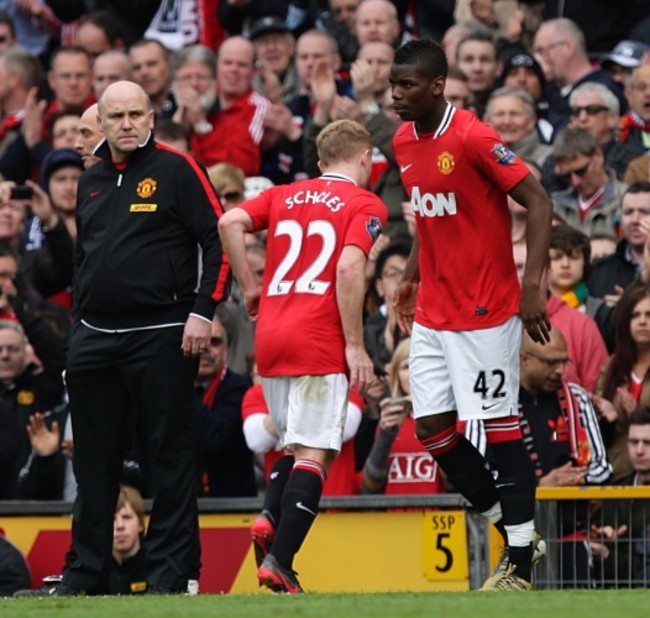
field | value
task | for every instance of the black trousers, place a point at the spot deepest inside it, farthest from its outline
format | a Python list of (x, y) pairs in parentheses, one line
[(120, 383)]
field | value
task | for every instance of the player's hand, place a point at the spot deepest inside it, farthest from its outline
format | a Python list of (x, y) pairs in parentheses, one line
[(532, 311), (196, 336), (409, 218), (404, 303), (44, 441), (360, 366), (252, 301)]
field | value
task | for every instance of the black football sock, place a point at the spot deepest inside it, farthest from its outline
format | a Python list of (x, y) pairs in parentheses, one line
[(516, 487), (467, 471), (275, 485), (299, 509)]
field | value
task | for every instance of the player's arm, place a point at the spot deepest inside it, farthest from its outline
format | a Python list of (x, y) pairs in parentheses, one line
[(404, 299), (350, 294), (530, 194), (233, 226)]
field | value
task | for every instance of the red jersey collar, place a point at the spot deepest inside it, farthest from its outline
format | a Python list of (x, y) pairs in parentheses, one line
[(337, 176), (450, 110)]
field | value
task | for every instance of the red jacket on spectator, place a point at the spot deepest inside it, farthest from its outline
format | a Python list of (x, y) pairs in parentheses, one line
[(585, 344), (236, 135)]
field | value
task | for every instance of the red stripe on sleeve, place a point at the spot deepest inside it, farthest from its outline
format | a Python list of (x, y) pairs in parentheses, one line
[(219, 291)]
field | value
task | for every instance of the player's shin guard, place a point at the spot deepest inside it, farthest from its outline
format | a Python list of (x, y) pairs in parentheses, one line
[(465, 467), (299, 509), (516, 486)]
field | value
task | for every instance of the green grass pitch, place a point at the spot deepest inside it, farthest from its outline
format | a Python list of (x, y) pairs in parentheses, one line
[(541, 604)]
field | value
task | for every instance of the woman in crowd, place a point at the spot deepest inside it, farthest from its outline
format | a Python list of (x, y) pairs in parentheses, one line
[(625, 379), (397, 463)]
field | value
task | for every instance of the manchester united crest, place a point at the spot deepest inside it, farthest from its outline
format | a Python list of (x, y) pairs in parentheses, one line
[(146, 188), (446, 162)]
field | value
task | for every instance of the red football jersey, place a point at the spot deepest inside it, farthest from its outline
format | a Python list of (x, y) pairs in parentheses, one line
[(411, 469), (299, 329), (457, 179)]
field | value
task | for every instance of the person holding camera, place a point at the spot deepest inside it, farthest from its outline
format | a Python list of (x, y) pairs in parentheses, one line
[(397, 463), (38, 221)]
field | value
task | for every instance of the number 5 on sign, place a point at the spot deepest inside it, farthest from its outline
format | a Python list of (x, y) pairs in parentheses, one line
[(444, 546)]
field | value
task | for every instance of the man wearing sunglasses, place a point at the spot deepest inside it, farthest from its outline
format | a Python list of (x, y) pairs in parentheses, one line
[(218, 423), (594, 108), (592, 201), (561, 50)]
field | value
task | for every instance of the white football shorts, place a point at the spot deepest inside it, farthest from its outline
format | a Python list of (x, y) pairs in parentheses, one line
[(308, 410), (474, 372)]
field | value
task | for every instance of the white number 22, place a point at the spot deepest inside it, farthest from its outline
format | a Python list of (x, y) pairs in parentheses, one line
[(307, 282)]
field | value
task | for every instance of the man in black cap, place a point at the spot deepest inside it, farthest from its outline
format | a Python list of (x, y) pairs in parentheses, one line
[(60, 174), (623, 59), (522, 70), (277, 78)]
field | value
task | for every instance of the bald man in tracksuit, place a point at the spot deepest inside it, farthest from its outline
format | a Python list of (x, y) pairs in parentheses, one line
[(141, 318)]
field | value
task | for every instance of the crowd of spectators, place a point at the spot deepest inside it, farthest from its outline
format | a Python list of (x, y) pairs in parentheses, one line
[(246, 86)]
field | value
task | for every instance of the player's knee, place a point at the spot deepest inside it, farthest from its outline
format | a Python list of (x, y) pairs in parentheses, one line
[(427, 427)]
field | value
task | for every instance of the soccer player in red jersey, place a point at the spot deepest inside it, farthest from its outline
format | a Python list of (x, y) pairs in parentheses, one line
[(460, 299), (309, 334)]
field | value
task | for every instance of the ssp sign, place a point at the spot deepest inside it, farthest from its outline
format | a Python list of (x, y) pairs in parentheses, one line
[(444, 546)]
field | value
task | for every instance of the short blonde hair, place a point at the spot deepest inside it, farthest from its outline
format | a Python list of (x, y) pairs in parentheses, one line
[(342, 140), (222, 174)]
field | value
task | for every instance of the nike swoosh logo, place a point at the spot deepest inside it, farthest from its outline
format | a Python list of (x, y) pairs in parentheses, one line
[(274, 475), (302, 507), (403, 168), (94, 193), (492, 405)]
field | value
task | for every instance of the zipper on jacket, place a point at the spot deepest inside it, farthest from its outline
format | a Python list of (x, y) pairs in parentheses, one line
[(119, 180)]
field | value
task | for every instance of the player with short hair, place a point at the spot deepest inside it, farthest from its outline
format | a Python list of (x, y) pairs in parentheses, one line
[(309, 335), (460, 297)]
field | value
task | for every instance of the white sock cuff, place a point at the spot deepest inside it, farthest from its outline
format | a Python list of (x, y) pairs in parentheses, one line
[(494, 513), (521, 535)]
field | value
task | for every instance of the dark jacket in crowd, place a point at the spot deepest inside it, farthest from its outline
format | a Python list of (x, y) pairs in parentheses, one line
[(612, 270), (224, 456), (32, 391)]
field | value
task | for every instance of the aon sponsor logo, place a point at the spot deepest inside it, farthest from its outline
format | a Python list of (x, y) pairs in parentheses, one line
[(430, 205)]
